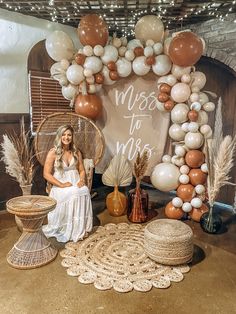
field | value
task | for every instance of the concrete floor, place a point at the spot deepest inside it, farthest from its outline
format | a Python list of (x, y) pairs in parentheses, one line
[(210, 286)]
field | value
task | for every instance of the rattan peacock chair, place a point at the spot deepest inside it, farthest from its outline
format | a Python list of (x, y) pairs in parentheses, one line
[(88, 138)]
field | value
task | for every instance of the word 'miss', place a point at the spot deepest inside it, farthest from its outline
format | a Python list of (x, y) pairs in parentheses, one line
[(141, 102)]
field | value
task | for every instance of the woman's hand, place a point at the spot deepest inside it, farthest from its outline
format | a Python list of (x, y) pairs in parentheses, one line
[(80, 183), (65, 185)]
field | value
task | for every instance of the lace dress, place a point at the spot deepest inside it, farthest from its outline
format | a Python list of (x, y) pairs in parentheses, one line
[(72, 217)]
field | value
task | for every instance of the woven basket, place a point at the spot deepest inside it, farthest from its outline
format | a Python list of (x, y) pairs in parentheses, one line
[(168, 241)]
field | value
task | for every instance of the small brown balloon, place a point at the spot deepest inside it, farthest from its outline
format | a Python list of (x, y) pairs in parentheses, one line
[(99, 78), (194, 158), (163, 97), (138, 51), (186, 192), (165, 88), (196, 213), (173, 212), (112, 66), (169, 105), (80, 58), (114, 76), (89, 106), (197, 176), (193, 115), (150, 60)]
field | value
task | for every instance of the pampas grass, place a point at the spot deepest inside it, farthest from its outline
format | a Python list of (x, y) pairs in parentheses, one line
[(18, 157), (140, 166)]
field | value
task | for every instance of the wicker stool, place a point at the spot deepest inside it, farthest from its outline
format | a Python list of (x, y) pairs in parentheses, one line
[(168, 241), (32, 249)]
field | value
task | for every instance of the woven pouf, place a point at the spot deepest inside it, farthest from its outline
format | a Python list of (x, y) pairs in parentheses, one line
[(168, 241)]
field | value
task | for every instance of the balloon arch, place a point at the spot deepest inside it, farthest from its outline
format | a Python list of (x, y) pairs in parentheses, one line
[(82, 74)]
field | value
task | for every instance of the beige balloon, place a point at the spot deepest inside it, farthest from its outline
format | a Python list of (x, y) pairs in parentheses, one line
[(165, 177), (149, 27), (176, 133), (179, 113), (180, 92), (193, 140)]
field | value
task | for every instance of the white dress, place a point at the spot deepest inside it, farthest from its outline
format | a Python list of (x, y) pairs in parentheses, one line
[(72, 217)]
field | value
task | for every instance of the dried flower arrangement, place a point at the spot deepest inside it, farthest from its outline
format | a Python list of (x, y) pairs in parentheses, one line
[(18, 156), (219, 153), (140, 166)]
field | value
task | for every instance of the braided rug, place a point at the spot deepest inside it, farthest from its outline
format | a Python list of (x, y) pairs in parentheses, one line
[(114, 257)]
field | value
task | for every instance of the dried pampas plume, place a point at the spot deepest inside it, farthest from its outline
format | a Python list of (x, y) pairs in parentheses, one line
[(118, 173), (140, 166), (18, 157)]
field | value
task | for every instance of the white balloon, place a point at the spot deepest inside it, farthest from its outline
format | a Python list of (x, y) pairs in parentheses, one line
[(149, 27), (140, 67), (94, 64), (199, 79), (129, 55), (184, 179), (150, 42), (162, 65), (69, 91), (180, 92), (178, 161), (124, 41), (176, 133), (209, 106), (107, 80), (187, 207), (193, 127), (98, 50), (166, 158), (200, 189), (75, 74), (65, 64), (110, 54), (202, 117), (184, 169), (205, 129), (116, 42), (160, 106), (194, 97), (179, 71), (184, 127), (88, 72), (180, 151), (134, 43), (92, 89), (204, 168), (122, 50), (57, 72), (63, 81), (90, 79), (185, 78), (59, 46), (148, 51), (165, 177), (203, 98), (193, 140), (124, 67), (171, 80), (195, 89), (196, 202), (88, 51), (167, 45), (177, 202), (179, 113), (196, 106), (158, 48)]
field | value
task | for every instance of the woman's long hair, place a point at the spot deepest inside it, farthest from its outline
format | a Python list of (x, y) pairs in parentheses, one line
[(59, 148)]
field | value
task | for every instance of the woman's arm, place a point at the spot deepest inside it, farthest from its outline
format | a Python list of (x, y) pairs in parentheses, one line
[(80, 168), (48, 170)]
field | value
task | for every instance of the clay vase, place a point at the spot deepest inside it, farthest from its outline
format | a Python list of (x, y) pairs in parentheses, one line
[(26, 190), (116, 202), (137, 205)]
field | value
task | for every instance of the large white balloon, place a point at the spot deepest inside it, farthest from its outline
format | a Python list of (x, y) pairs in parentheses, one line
[(57, 71), (180, 92), (162, 65), (149, 27), (178, 71), (133, 44), (179, 113), (94, 64), (202, 117), (165, 177), (140, 67), (124, 67), (75, 74), (69, 91), (199, 79), (176, 132), (110, 54), (59, 46), (193, 140)]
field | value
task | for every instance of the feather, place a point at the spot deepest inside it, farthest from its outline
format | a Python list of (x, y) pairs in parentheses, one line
[(119, 172)]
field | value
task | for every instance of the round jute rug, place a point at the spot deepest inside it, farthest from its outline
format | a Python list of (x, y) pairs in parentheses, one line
[(114, 257)]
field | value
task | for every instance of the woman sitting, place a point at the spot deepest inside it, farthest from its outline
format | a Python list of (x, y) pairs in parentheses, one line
[(72, 217)]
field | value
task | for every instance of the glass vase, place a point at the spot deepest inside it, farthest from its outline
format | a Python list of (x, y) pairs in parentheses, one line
[(211, 221), (137, 205)]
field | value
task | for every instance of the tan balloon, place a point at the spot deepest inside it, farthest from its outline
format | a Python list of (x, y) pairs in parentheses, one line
[(180, 92), (149, 27), (165, 177)]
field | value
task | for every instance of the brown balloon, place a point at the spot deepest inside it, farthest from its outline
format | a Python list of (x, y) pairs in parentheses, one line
[(169, 105), (173, 212), (194, 158), (162, 97), (89, 106), (185, 49), (80, 58), (193, 115), (186, 192), (138, 51), (114, 76), (197, 176), (112, 66), (165, 88), (99, 78), (150, 60), (196, 213), (92, 30)]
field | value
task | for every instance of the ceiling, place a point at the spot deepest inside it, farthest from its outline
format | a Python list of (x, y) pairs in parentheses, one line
[(121, 16)]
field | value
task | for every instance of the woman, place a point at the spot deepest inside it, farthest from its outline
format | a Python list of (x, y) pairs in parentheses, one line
[(72, 218)]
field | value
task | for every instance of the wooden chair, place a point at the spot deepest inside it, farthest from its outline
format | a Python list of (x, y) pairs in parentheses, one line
[(88, 138)]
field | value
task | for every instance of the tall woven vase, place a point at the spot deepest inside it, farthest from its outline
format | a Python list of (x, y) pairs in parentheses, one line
[(26, 190), (137, 205), (116, 202)]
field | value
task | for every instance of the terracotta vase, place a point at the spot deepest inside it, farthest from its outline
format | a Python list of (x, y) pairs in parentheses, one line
[(26, 190), (116, 202), (137, 205)]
